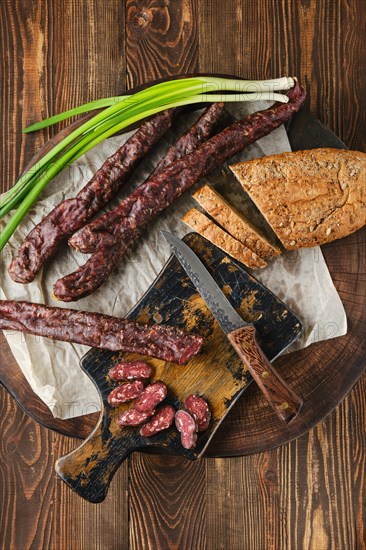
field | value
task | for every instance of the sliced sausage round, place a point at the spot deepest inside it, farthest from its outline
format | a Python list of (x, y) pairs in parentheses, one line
[(187, 427), (130, 371), (162, 420), (151, 396), (133, 417), (198, 408), (125, 393)]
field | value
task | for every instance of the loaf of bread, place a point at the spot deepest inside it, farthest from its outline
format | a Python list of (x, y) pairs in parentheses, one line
[(234, 222), (207, 228), (308, 197)]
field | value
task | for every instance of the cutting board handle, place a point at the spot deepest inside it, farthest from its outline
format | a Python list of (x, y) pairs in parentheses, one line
[(279, 395), (89, 469)]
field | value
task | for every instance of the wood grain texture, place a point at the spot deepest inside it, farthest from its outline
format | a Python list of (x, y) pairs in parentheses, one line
[(257, 502), (308, 494), (317, 40), (37, 510), (357, 431), (298, 496), (53, 56), (168, 503), (161, 39)]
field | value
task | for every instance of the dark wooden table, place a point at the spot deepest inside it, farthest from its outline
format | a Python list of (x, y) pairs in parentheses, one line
[(308, 494)]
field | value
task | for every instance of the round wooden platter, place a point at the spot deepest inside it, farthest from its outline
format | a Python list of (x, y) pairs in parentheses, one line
[(323, 374)]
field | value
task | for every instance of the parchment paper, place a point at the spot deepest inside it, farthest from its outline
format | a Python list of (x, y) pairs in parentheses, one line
[(301, 279)]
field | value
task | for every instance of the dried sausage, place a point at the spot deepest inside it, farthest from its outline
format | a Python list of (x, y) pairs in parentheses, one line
[(198, 408), (86, 239), (151, 396), (91, 276), (130, 371), (198, 133), (162, 420), (99, 331), (125, 393), (157, 193), (72, 214), (187, 427), (132, 417)]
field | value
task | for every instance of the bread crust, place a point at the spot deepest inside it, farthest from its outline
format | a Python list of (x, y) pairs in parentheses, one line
[(309, 197), (204, 226), (234, 222)]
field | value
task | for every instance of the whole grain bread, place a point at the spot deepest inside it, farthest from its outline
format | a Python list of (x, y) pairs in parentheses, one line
[(207, 228), (234, 222), (308, 197)]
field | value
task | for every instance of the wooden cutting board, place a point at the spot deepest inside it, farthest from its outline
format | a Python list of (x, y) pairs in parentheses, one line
[(216, 373)]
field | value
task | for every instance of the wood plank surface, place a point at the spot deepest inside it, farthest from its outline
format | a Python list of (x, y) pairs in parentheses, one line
[(54, 55), (168, 502), (161, 39), (308, 494)]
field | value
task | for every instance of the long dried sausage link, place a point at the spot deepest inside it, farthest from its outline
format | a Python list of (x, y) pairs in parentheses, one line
[(99, 331), (91, 276), (87, 238), (157, 193), (72, 214)]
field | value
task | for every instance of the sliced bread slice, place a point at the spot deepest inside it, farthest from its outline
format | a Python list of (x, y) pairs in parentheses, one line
[(308, 197), (234, 222), (207, 228)]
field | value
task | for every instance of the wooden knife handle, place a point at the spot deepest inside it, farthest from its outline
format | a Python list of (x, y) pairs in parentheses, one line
[(282, 399)]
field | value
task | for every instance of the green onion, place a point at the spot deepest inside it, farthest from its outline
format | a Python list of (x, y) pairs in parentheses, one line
[(86, 107), (91, 106), (194, 99), (220, 84), (120, 112), (88, 126)]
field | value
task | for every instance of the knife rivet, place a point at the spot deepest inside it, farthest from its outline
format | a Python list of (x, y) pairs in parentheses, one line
[(284, 406), (265, 374)]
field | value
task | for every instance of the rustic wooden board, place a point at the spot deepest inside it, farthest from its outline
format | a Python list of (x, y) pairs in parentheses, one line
[(217, 373), (307, 494)]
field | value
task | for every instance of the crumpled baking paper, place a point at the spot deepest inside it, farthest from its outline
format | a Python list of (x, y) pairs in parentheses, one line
[(301, 279)]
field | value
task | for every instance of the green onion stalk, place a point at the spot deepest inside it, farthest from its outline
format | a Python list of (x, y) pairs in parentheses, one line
[(118, 113)]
